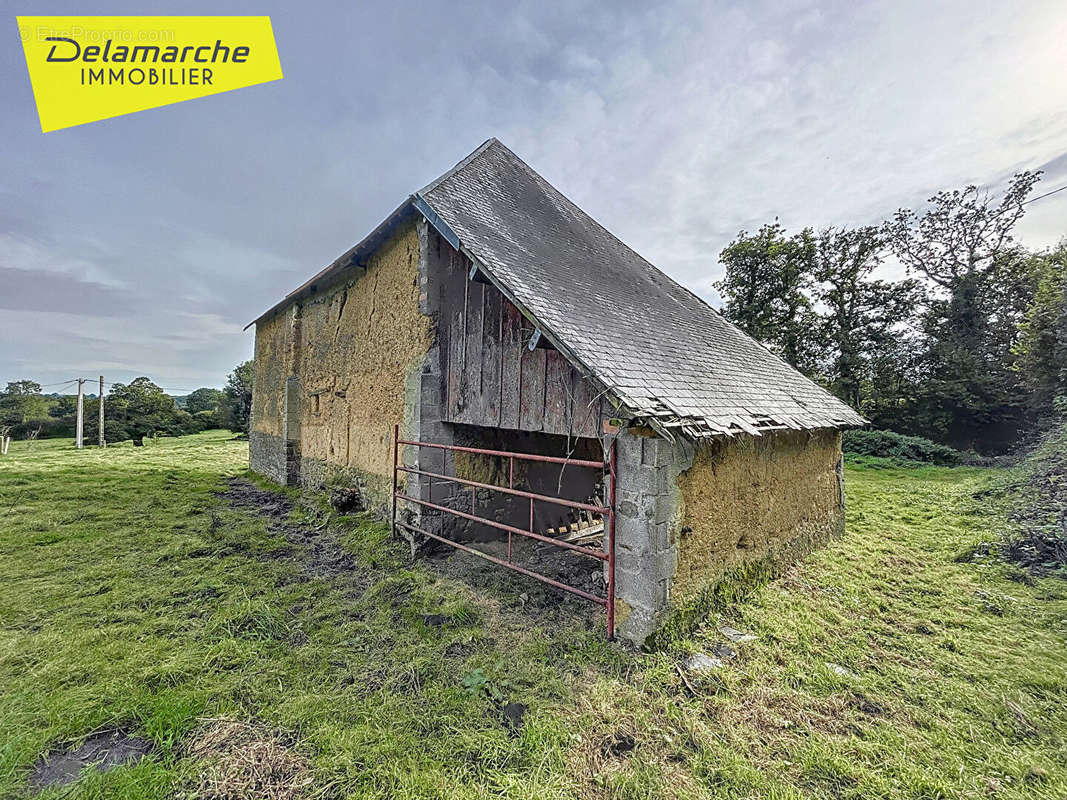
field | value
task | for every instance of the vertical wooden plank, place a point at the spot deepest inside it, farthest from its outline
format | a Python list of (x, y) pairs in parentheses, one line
[(585, 413), (471, 413), (500, 360), (511, 365), (490, 403), (455, 367), (532, 401), (557, 393)]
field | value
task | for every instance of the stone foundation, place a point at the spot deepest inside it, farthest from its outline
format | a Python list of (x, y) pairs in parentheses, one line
[(266, 455)]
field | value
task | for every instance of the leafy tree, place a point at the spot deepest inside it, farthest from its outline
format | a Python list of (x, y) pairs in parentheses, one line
[(238, 392), (862, 316), (65, 406), (962, 232), (1042, 345), (962, 243), (22, 402), (142, 408), (22, 388), (764, 289), (203, 399), (894, 385)]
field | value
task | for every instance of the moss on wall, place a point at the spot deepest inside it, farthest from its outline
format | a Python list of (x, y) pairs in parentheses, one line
[(489, 469), (752, 500), (732, 587)]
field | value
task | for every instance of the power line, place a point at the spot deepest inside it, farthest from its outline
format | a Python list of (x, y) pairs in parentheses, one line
[(57, 383), (110, 384), (1046, 194)]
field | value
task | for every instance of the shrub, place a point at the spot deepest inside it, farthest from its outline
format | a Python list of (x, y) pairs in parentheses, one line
[(1036, 494), (898, 447), (208, 420), (45, 428)]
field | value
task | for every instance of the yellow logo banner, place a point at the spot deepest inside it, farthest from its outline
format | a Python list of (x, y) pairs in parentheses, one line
[(85, 69)]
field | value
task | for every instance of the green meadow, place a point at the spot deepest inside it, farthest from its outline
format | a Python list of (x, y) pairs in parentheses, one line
[(137, 596)]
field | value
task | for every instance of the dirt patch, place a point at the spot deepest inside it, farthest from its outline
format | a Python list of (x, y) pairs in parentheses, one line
[(319, 552), (618, 744), (512, 715), (249, 497), (245, 761), (321, 555), (512, 588), (104, 750)]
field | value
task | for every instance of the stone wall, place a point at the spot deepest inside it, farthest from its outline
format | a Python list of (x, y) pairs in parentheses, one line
[(267, 456)]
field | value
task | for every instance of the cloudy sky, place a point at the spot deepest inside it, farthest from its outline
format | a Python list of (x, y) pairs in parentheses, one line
[(143, 244)]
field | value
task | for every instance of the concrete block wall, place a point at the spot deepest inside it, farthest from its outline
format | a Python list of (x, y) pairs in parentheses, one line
[(648, 513)]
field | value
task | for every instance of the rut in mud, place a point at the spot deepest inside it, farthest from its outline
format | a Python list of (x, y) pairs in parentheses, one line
[(321, 555), (317, 549)]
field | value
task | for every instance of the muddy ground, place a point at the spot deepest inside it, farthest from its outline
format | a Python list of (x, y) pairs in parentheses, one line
[(321, 555), (319, 552), (103, 750)]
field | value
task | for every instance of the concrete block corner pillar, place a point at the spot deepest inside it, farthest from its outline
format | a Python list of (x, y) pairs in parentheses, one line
[(647, 505), (424, 411)]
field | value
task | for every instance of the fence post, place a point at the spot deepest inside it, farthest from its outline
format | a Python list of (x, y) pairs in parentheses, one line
[(396, 451), (611, 543)]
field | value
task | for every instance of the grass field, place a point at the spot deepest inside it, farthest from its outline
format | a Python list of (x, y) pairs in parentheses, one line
[(134, 596)]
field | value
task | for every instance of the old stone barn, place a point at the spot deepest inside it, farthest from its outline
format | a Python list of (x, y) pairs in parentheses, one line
[(489, 311)]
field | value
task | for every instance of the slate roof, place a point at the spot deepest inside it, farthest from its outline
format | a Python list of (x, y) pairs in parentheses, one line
[(662, 350), (667, 355)]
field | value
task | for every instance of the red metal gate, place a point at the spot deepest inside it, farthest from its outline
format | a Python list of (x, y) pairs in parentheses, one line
[(607, 512)]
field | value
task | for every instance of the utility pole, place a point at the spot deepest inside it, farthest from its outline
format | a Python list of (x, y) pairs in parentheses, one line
[(101, 400), (81, 414)]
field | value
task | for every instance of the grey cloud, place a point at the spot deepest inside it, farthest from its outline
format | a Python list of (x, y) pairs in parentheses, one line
[(35, 290)]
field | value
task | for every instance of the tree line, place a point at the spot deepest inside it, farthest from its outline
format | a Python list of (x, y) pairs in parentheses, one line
[(968, 347), (132, 411)]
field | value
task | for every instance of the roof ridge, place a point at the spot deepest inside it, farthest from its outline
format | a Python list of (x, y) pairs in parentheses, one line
[(462, 163)]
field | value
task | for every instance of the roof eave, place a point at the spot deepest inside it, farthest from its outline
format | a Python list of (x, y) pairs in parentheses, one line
[(350, 258)]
